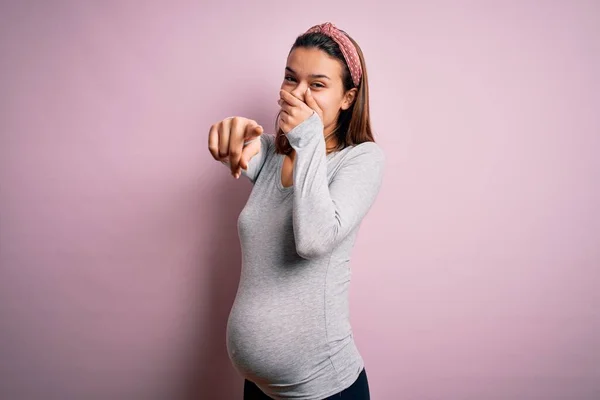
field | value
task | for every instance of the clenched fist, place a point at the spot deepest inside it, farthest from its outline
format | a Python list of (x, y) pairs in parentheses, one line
[(235, 139)]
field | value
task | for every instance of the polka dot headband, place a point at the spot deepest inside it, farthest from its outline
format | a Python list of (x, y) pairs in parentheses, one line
[(346, 46)]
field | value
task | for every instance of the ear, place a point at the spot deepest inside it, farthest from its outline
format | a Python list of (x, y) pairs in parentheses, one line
[(349, 98)]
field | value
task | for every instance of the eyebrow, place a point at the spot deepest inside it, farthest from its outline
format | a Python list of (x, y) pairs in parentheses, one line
[(312, 75)]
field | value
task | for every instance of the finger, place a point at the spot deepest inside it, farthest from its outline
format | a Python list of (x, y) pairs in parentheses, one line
[(253, 130), (251, 133), (224, 132), (282, 102), (236, 142), (311, 102), (290, 98), (213, 142), (249, 151), (286, 107), (284, 121)]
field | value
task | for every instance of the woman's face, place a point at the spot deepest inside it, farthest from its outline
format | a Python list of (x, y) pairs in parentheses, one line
[(323, 74)]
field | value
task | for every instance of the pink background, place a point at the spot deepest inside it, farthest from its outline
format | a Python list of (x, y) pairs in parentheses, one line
[(476, 273)]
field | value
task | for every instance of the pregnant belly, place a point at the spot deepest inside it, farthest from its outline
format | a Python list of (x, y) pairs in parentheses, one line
[(275, 345)]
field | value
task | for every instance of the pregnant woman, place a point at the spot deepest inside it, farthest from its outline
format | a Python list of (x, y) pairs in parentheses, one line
[(288, 332)]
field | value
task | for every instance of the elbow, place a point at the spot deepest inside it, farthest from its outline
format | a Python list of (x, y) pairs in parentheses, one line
[(312, 250), (310, 253), (313, 245)]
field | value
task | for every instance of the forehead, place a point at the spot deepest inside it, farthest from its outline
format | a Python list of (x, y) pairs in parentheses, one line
[(314, 61)]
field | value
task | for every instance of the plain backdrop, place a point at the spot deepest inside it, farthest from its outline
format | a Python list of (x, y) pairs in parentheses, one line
[(475, 274)]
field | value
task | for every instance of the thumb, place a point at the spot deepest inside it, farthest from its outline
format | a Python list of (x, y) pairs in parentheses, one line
[(253, 130), (311, 102)]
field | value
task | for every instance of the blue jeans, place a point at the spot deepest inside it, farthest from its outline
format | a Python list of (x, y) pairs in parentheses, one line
[(359, 390)]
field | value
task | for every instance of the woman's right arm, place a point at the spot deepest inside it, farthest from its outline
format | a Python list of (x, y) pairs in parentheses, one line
[(239, 143), (257, 161)]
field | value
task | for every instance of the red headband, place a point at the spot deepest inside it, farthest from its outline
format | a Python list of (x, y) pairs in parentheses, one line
[(346, 46)]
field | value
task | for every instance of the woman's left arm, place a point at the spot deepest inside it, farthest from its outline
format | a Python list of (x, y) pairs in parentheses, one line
[(324, 214)]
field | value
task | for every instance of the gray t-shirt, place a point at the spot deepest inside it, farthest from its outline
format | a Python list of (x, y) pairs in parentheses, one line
[(289, 328)]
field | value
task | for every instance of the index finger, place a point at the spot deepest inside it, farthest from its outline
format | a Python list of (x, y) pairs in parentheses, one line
[(290, 98), (236, 142), (241, 135)]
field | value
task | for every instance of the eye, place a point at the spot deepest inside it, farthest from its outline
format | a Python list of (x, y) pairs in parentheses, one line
[(289, 78)]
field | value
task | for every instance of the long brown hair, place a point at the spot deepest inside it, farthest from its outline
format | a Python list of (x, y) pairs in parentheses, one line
[(354, 124)]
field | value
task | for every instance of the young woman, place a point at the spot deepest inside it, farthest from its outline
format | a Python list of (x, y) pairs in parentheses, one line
[(289, 332)]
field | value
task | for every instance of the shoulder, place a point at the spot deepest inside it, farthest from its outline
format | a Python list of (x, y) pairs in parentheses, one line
[(361, 165), (366, 153)]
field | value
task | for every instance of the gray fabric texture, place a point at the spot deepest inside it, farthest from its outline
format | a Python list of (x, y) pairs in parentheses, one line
[(289, 327)]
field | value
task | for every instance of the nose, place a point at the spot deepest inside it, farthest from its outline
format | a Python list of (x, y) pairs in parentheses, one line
[(299, 90)]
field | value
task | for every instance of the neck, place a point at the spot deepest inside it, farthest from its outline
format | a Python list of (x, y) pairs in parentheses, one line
[(331, 141)]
